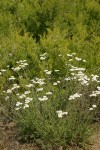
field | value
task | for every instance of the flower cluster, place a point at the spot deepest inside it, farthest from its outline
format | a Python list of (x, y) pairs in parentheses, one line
[(21, 65), (74, 96), (38, 87), (61, 114), (43, 56), (93, 107)]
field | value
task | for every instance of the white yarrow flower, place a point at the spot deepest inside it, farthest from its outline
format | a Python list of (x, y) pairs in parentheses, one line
[(27, 92), (61, 114), (44, 98), (25, 106), (48, 72), (22, 96), (30, 85), (39, 89), (55, 83), (18, 104), (94, 106), (16, 69), (3, 70), (90, 108), (9, 91), (48, 93)]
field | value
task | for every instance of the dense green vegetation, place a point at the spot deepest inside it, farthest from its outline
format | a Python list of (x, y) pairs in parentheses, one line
[(50, 46)]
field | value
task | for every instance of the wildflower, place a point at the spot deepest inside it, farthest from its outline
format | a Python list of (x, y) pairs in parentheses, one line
[(67, 79), (25, 106), (48, 72), (84, 82), (42, 58), (69, 55), (77, 69), (44, 98), (22, 66), (55, 83), (21, 61), (33, 81), (64, 113), (70, 59), (73, 53), (18, 104), (3, 70), (39, 89), (94, 77), (7, 98), (93, 94), (9, 91), (61, 114), (22, 96), (41, 82), (42, 55), (45, 70), (27, 92), (94, 106), (12, 78), (17, 108), (72, 74), (76, 95), (56, 70), (17, 94), (48, 93), (84, 60), (25, 64), (78, 59), (59, 55), (30, 85), (15, 86), (16, 69), (0, 73), (98, 87), (58, 81), (28, 98), (90, 108)]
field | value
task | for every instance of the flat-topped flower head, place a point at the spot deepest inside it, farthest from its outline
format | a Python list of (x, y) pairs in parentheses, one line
[(30, 85), (39, 89), (94, 106), (74, 96), (61, 113), (44, 98), (9, 91), (3, 70), (27, 92), (48, 93), (12, 78)]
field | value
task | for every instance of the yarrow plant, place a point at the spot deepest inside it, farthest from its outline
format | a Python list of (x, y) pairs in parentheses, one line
[(49, 108)]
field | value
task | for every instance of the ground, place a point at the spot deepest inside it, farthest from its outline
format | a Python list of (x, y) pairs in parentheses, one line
[(95, 141)]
